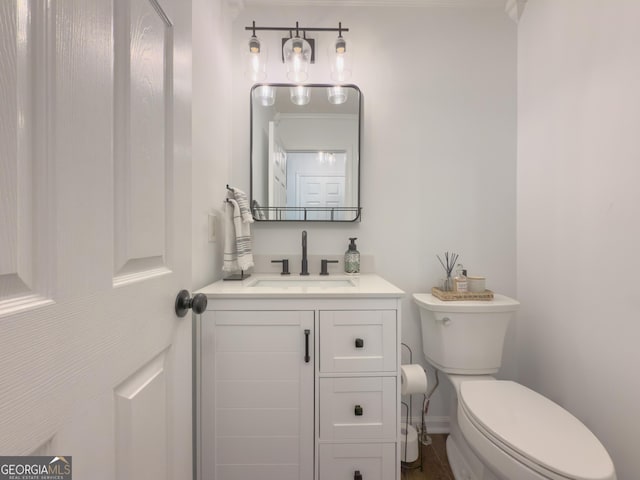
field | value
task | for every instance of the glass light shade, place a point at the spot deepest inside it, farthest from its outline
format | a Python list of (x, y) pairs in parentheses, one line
[(256, 61), (340, 60), (265, 95), (300, 95), (297, 57), (337, 95)]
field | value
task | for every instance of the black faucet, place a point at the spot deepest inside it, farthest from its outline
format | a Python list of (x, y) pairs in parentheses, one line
[(305, 263), (285, 265), (324, 264)]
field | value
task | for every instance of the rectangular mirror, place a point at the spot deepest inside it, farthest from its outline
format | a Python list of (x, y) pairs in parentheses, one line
[(305, 152)]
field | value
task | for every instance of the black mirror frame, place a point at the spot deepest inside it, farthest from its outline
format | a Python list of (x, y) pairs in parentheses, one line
[(357, 209)]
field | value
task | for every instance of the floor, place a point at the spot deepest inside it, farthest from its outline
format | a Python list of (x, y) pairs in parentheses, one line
[(436, 464)]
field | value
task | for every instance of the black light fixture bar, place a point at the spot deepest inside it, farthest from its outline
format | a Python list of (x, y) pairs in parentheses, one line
[(299, 29), (253, 28)]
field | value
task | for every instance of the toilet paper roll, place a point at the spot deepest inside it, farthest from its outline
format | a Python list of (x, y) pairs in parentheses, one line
[(409, 439), (413, 379)]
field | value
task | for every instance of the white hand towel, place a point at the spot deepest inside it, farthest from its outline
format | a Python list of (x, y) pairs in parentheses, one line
[(230, 260), (243, 202), (243, 238)]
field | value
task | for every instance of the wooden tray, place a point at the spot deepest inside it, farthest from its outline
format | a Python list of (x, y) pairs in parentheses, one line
[(487, 295)]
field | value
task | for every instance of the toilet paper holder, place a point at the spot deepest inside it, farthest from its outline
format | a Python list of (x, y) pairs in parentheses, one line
[(405, 431)]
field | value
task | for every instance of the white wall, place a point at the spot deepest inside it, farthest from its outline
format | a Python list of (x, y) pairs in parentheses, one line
[(578, 217), (211, 131), (438, 147)]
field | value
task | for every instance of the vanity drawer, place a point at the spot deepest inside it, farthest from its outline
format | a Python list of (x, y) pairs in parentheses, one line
[(357, 408), (341, 461), (358, 341)]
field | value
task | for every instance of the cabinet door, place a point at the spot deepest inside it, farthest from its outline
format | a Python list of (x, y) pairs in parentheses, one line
[(258, 395)]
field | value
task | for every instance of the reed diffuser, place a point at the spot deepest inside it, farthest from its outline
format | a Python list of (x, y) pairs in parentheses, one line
[(449, 263)]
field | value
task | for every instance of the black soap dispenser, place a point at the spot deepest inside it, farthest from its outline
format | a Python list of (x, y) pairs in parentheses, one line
[(352, 258)]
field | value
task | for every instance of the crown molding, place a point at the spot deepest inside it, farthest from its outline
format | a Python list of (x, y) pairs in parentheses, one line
[(377, 3)]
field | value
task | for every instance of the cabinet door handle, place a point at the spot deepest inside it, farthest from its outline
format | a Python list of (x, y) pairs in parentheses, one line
[(357, 475), (358, 411), (359, 343), (307, 358)]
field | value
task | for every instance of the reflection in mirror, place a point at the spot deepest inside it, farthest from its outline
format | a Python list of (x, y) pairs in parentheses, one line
[(305, 152)]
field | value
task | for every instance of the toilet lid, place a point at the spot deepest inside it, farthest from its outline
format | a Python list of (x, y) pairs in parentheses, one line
[(518, 419)]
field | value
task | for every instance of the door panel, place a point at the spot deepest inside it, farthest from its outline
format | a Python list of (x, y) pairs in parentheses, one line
[(141, 422), (95, 364), (143, 68), (320, 191), (25, 233)]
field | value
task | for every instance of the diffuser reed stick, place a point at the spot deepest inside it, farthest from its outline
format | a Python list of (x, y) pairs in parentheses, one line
[(449, 263)]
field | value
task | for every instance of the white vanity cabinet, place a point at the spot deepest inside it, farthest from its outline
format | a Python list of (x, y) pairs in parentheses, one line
[(298, 386)]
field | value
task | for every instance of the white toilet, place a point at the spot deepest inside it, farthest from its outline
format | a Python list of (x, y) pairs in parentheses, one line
[(501, 429)]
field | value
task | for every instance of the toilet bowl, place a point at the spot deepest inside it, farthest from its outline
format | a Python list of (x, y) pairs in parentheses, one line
[(501, 430), (522, 435)]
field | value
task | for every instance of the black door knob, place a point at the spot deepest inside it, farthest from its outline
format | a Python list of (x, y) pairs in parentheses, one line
[(184, 302), (358, 411)]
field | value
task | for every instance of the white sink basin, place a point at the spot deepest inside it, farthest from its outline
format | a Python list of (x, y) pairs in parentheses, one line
[(285, 282)]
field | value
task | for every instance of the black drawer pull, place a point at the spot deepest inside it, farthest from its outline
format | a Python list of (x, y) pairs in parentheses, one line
[(359, 343), (307, 357), (357, 475), (358, 411)]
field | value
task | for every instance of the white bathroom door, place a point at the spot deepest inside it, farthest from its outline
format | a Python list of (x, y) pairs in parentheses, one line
[(95, 222), (277, 173), (315, 190)]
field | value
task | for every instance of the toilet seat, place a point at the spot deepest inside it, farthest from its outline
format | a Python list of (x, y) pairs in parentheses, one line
[(533, 431)]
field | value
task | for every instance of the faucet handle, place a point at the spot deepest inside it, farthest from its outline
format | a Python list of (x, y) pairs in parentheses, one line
[(285, 265), (324, 264)]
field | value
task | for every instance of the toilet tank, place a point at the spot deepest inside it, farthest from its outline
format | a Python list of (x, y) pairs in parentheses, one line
[(464, 337)]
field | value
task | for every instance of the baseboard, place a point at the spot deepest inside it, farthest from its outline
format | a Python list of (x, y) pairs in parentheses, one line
[(434, 424)]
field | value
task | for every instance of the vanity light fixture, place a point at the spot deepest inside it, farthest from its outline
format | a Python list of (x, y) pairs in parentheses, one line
[(336, 94), (297, 56), (265, 95), (340, 59), (300, 95), (298, 52)]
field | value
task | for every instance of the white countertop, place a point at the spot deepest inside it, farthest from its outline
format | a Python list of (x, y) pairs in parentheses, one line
[(364, 285)]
